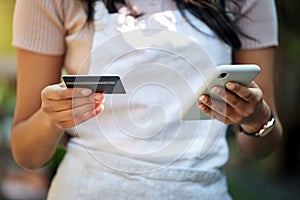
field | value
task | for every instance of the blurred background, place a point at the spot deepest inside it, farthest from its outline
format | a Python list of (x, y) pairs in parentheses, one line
[(276, 177)]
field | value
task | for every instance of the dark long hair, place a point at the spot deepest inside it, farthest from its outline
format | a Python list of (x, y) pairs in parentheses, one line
[(212, 12)]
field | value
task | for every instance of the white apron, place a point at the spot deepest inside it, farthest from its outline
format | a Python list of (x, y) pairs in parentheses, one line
[(139, 147)]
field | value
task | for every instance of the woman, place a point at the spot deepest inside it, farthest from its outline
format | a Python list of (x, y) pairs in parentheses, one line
[(52, 35)]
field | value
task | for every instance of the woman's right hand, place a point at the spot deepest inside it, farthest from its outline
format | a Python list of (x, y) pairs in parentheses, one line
[(68, 107)]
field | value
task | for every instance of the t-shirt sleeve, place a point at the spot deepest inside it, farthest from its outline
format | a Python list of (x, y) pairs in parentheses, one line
[(38, 26), (258, 19)]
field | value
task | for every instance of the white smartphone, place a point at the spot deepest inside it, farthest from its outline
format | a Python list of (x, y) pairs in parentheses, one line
[(243, 74)]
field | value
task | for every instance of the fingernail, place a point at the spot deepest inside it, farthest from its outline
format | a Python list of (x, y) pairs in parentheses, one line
[(203, 99), (202, 106), (86, 92), (98, 97), (216, 90), (230, 86), (99, 108)]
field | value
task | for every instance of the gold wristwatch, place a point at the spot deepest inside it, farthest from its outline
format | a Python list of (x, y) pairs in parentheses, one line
[(264, 130)]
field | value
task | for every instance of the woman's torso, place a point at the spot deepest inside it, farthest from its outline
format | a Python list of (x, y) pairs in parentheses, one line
[(162, 62)]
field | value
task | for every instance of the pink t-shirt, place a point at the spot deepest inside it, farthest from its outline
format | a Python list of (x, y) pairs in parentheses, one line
[(59, 27)]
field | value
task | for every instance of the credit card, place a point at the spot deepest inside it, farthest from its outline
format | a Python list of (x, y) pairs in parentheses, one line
[(110, 84)]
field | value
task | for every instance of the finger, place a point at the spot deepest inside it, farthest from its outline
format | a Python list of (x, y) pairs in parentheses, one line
[(214, 105), (59, 92), (66, 124), (96, 97), (249, 94), (236, 102), (99, 108), (60, 105), (85, 117), (71, 114), (220, 110), (210, 112), (81, 110)]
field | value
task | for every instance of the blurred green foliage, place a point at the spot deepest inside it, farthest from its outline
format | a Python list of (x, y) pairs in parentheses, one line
[(7, 83), (6, 13), (7, 95)]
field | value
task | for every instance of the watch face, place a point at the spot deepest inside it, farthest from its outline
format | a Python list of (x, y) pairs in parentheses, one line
[(268, 127)]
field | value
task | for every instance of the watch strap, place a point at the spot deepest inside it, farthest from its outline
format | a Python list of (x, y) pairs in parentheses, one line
[(264, 130)]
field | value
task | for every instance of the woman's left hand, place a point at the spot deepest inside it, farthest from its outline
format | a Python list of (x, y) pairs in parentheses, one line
[(241, 105)]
